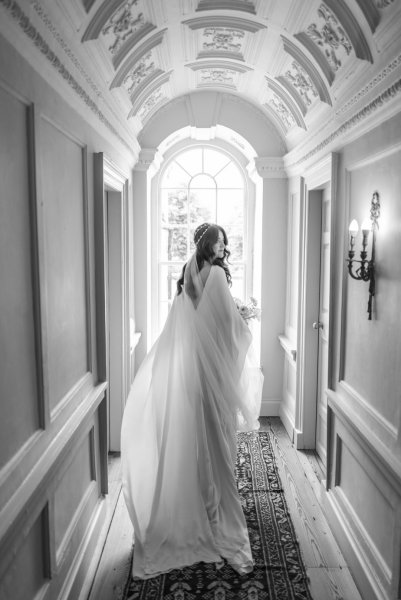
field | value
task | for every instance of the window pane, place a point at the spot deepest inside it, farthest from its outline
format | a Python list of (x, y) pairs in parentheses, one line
[(168, 276), (202, 206), (175, 176), (237, 288), (230, 215), (191, 161), (214, 161), (173, 244), (230, 177), (173, 206), (203, 181)]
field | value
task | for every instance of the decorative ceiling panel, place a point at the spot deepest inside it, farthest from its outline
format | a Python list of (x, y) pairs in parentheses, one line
[(307, 66)]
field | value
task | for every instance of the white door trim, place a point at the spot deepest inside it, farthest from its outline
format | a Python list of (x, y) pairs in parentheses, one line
[(317, 176)]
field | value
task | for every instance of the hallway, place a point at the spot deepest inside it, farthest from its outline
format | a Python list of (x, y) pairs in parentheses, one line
[(124, 124), (329, 576)]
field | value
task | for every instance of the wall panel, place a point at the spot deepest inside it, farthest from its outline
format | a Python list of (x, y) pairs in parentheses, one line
[(18, 367), (376, 377), (365, 495), (26, 575), (71, 491), (63, 213)]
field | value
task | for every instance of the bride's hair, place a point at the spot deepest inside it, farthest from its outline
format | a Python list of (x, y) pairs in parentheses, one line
[(205, 237)]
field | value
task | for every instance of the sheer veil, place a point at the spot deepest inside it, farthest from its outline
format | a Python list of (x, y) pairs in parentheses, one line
[(196, 387)]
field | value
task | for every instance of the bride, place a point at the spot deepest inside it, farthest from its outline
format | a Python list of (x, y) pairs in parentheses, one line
[(197, 386)]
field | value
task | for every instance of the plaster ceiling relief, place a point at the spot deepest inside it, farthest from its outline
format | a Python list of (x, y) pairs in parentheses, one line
[(218, 73), (222, 41), (283, 105), (217, 76), (330, 38), (301, 84), (224, 37), (153, 102), (281, 110), (120, 26), (289, 60), (140, 75)]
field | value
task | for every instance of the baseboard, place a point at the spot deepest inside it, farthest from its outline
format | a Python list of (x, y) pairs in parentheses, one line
[(84, 587), (287, 421), (270, 407)]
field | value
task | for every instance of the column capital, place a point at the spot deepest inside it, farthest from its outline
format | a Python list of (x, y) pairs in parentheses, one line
[(146, 157), (270, 167)]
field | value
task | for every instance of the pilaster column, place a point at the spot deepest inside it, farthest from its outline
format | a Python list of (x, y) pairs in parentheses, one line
[(273, 270), (144, 169)]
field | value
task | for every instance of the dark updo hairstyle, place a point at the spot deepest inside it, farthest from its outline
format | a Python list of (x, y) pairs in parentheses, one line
[(205, 237)]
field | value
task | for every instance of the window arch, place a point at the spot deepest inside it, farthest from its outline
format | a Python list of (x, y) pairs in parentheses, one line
[(198, 184)]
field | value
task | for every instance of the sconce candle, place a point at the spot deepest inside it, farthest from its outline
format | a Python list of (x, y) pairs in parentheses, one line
[(353, 232), (366, 269)]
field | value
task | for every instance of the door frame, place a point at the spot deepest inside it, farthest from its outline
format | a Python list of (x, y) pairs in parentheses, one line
[(317, 176), (107, 176)]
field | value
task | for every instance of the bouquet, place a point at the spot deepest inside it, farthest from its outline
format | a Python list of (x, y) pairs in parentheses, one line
[(248, 310)]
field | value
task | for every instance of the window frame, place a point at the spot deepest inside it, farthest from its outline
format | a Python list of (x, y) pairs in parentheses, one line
[(241, 163)]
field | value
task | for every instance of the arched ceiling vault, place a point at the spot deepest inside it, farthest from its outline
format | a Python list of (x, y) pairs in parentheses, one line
[(303, 65)]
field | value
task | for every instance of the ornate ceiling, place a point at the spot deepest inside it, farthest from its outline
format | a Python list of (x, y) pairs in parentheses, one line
[(302, 63)]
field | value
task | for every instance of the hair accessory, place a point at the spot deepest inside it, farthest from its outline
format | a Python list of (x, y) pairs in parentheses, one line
[(206, 227)]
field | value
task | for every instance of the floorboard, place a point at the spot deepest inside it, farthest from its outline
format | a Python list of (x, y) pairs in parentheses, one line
[(112, 572), (302, 477)]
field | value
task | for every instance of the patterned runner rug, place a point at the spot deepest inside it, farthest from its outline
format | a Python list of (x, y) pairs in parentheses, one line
[(279, 573)]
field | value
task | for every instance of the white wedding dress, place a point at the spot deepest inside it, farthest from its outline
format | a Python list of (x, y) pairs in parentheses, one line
[(195, 388)]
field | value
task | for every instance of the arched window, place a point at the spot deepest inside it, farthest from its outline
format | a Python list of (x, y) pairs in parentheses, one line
[(200, 184)]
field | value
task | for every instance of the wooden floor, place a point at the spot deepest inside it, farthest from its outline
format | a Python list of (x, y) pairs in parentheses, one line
[(329, 576)]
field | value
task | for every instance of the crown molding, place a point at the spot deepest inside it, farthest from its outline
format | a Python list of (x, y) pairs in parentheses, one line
[(389, 95), (392, 66)]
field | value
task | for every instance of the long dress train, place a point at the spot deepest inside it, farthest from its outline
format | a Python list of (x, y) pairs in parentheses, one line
[(195, 388)]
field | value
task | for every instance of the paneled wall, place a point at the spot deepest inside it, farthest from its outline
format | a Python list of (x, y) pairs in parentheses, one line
[(53, 430), (364, 426)]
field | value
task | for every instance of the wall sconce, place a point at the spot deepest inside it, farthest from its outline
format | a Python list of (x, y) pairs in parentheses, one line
[(366, 269)]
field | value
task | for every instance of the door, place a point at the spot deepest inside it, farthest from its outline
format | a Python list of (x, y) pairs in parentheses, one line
[(322, 326)]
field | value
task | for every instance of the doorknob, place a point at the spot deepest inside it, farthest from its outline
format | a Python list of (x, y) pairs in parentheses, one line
[(317, 325)]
